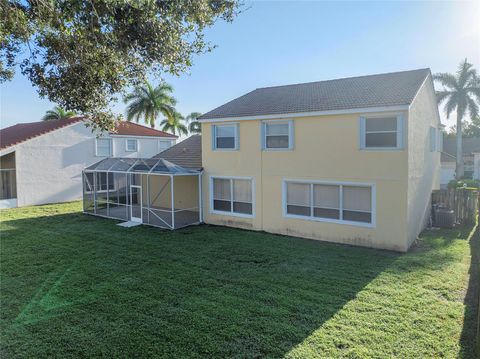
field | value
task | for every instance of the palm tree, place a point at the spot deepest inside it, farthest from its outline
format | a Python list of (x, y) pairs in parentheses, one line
[(58, 113), (460, 92), (194, 125), (174, 124), (149, 102)]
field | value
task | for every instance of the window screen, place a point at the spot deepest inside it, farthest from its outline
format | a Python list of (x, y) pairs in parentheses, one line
[(326, 201), (381, 132), (225, 137), (357, 204), (131, 145), (233, 195), (298, 199), (222, 198), (163, 145), (242, 196), (104, 147), (277, 135)]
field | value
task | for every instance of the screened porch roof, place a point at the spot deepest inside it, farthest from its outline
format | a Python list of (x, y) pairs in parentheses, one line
[(140, 165)]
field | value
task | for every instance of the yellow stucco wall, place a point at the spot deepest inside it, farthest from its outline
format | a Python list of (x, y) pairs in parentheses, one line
[(185, 189), (326, 149)]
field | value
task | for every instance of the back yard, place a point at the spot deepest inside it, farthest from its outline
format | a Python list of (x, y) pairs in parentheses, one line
[(75, 285)]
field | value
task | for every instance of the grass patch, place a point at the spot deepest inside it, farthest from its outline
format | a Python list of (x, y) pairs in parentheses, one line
[(76, 285)]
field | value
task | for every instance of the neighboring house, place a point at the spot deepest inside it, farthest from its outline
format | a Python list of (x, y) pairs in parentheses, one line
[(471, 159), (351, 161), (42, 162)]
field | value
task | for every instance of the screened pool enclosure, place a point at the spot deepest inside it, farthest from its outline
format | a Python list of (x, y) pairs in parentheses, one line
[(150, 191)]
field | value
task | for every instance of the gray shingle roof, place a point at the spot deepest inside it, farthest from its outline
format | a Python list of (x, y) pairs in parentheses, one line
[(390, 89), (187, 154)]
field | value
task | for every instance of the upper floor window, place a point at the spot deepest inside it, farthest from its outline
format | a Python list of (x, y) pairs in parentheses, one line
[(225, 137), (131, 145), (277, 135), (381, 133), (163, 145), (103, 147), (232, 195)]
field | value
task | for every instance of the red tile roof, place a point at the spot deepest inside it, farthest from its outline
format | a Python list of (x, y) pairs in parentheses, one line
[(22, 132), (125, 128)]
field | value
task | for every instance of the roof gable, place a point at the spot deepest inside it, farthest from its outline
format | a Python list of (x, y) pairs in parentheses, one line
[(125, 128), (22, 132), (390, 89)]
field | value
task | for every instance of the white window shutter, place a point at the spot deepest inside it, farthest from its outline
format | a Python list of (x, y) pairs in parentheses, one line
[(237, 136), (262, 135), (400, 132), (362, 132), (291, 135), (213, 137), (440, 140)]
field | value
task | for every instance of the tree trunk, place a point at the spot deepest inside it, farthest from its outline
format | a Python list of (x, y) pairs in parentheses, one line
[(459, 166)]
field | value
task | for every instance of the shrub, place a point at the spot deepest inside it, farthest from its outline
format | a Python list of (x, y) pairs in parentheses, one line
[(469, 183)]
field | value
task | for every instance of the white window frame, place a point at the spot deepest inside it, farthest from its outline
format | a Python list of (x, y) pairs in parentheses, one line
[(291, 135), (236, 146), (400, 132), (231, 213), (96, 146), (126, 145), (372, 186)]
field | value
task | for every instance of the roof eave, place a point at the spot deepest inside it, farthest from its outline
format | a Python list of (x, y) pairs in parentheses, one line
[(363, 110)]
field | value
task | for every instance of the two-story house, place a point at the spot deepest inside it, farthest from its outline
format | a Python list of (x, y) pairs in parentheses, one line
[(352, 160), (42, 162)]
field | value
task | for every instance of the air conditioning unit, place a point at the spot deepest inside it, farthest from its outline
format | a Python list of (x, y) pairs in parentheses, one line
[(444, 218)]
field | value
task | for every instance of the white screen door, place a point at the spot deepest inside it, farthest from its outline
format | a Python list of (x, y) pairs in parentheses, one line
[(136, 203)]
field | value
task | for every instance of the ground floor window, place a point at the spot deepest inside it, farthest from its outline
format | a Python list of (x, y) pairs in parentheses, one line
[(333, 202), (231, 195)]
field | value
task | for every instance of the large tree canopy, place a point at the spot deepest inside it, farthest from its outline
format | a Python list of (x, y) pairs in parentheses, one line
[(81, 54)]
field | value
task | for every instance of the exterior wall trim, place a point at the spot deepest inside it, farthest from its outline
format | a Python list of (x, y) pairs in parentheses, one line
[(309, 114)]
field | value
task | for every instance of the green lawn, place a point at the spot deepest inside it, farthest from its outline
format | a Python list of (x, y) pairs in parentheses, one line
[(75, 285)]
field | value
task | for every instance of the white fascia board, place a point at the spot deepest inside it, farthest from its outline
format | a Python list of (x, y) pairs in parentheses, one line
[(140, 137), (311, 114), (8, 150)]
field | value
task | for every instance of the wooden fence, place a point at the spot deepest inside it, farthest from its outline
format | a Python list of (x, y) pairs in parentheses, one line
[(464, 202)]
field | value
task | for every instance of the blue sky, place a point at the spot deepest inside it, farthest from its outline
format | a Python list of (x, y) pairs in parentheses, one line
[(275, 43)]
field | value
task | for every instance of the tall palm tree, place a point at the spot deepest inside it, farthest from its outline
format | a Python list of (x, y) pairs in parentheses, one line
[(174, 124), (194, 126), (460, 92), (58, 113), (149, 102)]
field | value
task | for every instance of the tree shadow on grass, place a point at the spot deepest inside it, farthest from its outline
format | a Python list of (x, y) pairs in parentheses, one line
[(202, 291)]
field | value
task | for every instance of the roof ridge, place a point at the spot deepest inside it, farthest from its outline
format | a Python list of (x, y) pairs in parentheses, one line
[(344, 78)]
